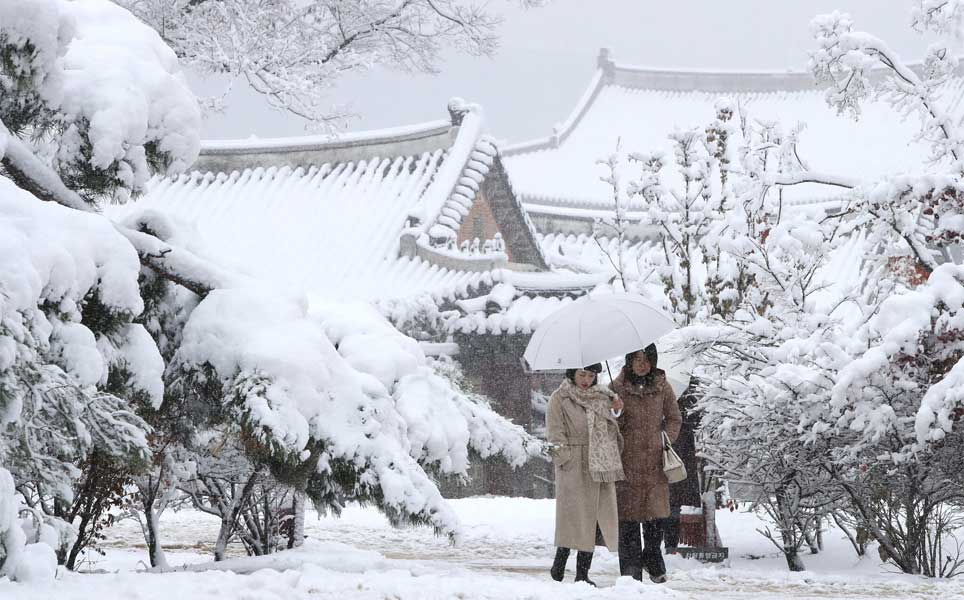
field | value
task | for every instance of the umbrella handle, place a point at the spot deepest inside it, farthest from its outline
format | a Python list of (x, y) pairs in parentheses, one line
[(608, 371)]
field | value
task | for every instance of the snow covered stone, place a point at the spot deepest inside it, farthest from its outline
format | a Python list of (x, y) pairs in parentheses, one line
[(11, 535), (37, 562)]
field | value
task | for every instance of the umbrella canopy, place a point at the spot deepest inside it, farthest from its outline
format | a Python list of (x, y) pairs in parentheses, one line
[(677, 366), (595, 329)]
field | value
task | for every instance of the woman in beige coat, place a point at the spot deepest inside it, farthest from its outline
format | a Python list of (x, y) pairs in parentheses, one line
[(584, 436), (643, 497)]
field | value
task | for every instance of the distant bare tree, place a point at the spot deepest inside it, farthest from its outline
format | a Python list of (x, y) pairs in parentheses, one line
[(293, 51)]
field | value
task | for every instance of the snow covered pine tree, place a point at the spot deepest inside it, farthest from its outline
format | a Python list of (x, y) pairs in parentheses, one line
[(117, 342)]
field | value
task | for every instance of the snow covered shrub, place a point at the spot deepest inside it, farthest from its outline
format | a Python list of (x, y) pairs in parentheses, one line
[(734, 273), (897, 397), (766, 375), (358, 421)]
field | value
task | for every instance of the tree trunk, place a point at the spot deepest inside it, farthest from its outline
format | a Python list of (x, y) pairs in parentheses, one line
[(154, 549), (224, 534), (914, 525), (229, 518), (791, 532), (794, 562), (297, 537), (709, 517), (810, 535)]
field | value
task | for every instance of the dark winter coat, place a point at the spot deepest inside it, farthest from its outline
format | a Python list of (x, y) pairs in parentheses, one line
[(687, 492), (649, 409)]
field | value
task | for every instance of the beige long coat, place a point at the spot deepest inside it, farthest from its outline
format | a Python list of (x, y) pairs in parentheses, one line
[(644, 494), (580, 501)]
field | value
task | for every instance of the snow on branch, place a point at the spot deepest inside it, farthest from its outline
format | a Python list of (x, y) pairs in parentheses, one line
[(373, 403), (179, 265), (945, 17), (59, 267), (293, 52), (856, 65), (31, 174), (173, 263), (790, 179), (921, 323), (97, 93)]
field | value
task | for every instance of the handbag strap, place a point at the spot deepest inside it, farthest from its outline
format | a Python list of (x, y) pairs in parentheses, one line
[(667, 445)]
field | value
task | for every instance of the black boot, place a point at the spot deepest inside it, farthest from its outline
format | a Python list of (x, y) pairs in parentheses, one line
[(558, 570), (670, 533), (671, 530), (652, 557), (583, 562)]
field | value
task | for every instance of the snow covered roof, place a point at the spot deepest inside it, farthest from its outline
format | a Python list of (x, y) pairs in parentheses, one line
[(639, 107), (516, 303), (352, 216)]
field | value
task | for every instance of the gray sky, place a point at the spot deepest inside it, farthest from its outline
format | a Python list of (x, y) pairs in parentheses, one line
[(548, 55)]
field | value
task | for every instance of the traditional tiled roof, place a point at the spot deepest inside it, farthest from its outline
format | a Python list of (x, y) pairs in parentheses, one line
[(518, 302), (639, 107), (350, 216), (584, 253)]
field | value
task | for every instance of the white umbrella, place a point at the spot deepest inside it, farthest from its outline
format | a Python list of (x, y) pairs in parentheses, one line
[(677, 366), (595, 329)]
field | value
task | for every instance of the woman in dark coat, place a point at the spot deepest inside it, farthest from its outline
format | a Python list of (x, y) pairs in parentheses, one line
[(686, 492), (643, 497)]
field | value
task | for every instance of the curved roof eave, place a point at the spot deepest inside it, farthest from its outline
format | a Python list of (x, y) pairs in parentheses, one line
[(236, 155), (609, 72)]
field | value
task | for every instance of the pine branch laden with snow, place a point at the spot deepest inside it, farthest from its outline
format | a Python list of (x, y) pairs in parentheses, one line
[(339, 387), (73, 365), (103, 326), (96, 93), (292, 51), (67, 300)]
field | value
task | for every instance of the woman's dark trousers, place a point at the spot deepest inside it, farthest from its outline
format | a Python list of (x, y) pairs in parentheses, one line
[(637, 555), (671, 527)]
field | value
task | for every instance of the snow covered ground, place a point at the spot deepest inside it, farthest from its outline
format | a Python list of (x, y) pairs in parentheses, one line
[(505, 552)]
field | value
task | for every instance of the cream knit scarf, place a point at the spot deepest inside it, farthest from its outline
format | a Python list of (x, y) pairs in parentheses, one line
[(605, 462)]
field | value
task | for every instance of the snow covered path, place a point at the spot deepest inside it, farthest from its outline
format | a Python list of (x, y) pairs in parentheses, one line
[(505, 553)]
